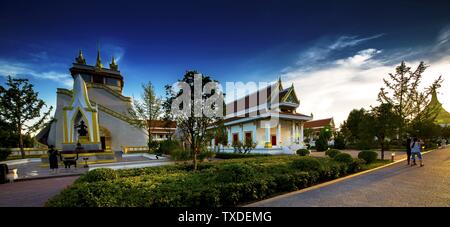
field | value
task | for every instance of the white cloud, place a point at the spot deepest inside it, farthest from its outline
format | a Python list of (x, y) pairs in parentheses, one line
[(336, 87), (322, 49), (20, 69)]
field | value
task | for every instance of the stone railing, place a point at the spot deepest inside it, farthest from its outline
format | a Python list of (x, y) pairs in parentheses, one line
[(28, 151), (134, 149)]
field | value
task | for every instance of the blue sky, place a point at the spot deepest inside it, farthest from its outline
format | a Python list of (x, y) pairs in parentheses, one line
[(335, 52)]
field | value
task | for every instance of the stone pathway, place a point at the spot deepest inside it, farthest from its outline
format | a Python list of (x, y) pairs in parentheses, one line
[(32, 193), (393, 186)]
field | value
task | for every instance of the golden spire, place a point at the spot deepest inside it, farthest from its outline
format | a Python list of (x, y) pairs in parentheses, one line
[(80, 59), (98, 64), (113, 65)]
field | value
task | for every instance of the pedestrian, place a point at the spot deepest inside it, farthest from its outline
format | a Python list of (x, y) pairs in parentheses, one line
[(416, 148), (53, 159), (408, 149)]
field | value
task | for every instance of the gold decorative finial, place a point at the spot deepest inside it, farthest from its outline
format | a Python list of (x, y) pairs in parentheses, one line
[(113, 65), (98, 64), (80, 59)]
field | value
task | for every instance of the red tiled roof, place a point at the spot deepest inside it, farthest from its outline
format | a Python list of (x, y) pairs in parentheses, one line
[(318, 123), (163, 124)]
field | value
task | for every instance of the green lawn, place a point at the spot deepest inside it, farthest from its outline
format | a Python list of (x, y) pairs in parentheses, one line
[(231, 182)]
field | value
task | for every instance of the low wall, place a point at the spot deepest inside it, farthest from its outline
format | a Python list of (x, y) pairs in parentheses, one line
[(92, 157), (28, 151)]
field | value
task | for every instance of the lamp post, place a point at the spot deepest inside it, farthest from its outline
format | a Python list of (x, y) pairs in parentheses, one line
[(392, 156)]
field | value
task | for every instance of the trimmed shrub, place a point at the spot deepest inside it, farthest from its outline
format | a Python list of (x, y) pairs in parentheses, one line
[(343, 158), (368, 156), (339, 141), (101, 174), (216, 184), (153, 145), (4, 153), (307, 164), (180, 154), (321, 144), (356, 165), (302, 152), (206, 154), (235, 172), (167, 146), (332, 153)]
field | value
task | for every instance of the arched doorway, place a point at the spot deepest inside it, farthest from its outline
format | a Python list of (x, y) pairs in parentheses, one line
[(105, 138)]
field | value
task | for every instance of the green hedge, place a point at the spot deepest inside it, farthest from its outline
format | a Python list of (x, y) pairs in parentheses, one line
[(302, 152), (344, 158), (216, 184), (368, 156), (332, 153)]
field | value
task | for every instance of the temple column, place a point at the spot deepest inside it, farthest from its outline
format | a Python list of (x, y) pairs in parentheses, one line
[(268, 143), (293, 133), (241, 134), (279, 134), (230, 139), (301, 133)]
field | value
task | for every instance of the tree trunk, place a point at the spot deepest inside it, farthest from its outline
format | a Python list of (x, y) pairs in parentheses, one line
[(195, 161), (22, 152), (382, 151)]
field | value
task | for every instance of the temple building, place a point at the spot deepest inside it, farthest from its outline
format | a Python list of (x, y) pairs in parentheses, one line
[(274, 126), (442, 116), (95, 113)]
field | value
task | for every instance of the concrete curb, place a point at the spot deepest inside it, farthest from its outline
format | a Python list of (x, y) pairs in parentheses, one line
[(47, 177), (317, 186)]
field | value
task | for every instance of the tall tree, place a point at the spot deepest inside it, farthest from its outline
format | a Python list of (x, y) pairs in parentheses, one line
[(402, 92), (194, 125), (21, 108), (384, 122), (145, 112)]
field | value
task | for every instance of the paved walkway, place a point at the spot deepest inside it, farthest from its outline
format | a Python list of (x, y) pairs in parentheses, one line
[(32, 193), (395, 185)]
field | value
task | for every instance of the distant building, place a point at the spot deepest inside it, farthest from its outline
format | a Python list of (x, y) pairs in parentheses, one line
[(317, 125), (162, 130)]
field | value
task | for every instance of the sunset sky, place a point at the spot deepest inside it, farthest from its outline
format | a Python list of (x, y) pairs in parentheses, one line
[(335, 52)]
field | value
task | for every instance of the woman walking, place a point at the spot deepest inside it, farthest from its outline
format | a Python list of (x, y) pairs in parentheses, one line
[(53, 159), (416, 148)]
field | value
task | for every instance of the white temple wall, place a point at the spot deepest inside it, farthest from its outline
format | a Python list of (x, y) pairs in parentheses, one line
[(122, 133)]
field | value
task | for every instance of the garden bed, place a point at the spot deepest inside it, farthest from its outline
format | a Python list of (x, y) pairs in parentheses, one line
[(226, 183)]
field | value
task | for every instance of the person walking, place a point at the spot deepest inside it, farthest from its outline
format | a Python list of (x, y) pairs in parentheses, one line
[(53, 159), (416, 148), (408, 149)]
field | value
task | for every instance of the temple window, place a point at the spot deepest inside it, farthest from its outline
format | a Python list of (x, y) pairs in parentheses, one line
[(112, 82), (87, 78)]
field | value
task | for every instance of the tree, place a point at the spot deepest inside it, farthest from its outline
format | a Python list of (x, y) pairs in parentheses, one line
[(194, 110), (402, 93), (324, 137), (384, 122), (220, 134), (145, 112), (339, 141), (21, 108), (351, 128)]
